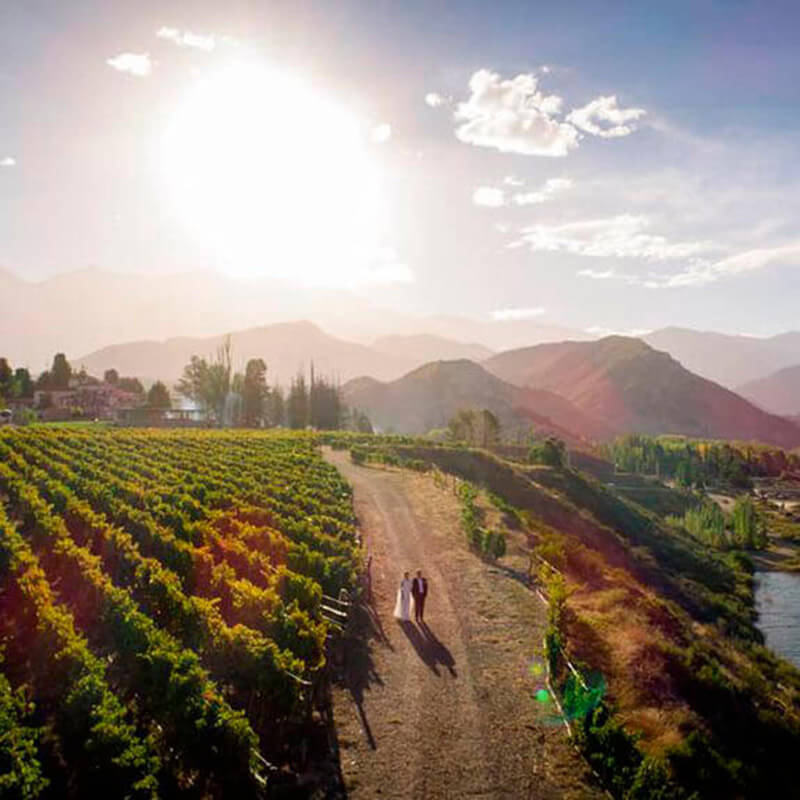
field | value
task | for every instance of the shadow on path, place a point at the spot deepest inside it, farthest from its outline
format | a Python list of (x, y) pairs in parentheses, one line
[(432, 652), (356, 668)]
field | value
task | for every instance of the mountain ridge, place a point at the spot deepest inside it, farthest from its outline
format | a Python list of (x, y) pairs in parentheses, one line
[(637, 389)]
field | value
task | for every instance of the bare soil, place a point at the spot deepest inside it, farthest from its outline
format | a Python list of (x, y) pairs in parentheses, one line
[(447, 709)]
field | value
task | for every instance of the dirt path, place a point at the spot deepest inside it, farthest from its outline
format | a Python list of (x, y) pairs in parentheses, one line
[(448, 710)]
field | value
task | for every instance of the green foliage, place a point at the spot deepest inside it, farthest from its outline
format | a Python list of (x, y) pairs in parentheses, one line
[(358, 455), (208, 384), (749, 531), (254, 393), (695, 462), (552, 452), (610, 749), (21, 774), (707, 523), (132, 385), (60, 372), (158, 396), (197, 562), (298, 413), (475, 427)]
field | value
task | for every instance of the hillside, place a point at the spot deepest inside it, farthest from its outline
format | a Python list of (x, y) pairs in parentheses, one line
[(286, 347), (725, 359), (778, 393), (430, 396), (634, 388), (662, 627), (426, 347)]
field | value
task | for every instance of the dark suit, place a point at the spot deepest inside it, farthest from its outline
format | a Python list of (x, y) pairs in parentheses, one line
[(419, 591)]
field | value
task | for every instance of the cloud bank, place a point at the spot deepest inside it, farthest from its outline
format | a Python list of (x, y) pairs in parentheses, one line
[(513, 116), (623, 236), (603, 117)]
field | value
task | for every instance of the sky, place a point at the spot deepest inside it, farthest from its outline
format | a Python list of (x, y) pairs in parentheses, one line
[(607, 166)]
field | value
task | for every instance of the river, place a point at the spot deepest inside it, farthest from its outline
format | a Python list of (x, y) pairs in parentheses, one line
[(778, 605)]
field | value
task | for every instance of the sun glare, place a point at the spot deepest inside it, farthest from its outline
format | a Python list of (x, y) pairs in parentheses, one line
[(275, 177)]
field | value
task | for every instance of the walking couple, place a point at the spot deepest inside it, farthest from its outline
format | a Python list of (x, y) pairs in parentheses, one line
[(411, 592)]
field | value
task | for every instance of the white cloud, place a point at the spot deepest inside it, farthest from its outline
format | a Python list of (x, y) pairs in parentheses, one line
[(8, 161), (513, 116), (381, 133), (603, 117), (529, 198), (489, 197), (434, 100), (494, 198), (551, 187), (187, 38), (701, 272), (623, 236), (506, 314), (138, 64)]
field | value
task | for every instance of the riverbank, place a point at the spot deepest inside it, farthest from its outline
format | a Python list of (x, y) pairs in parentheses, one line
[(782, 556)]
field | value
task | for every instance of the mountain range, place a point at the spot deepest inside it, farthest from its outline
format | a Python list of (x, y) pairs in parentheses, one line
[(778, 392), (87, 310), (81, 312), (725, 359), (632, 387), (286, 347), (431, 395)]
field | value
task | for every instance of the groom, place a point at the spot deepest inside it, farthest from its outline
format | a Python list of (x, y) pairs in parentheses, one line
[(419, 591)]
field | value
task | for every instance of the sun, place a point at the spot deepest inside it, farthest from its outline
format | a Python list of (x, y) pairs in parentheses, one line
[(274, 177)]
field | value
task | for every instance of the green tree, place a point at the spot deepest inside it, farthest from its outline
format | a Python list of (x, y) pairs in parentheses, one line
[(207, 384), (44, 383), (749, 530), (276, 407), (6, 379), (60, 372), (132, 385), (297, 404), (463, 426), (158, 396), (552, 452), (23, 383), (325, 405), (111, 377), (254, 392), (360, 422), (489, 428)]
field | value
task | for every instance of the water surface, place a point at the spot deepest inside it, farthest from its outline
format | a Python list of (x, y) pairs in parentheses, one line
[(778, 605)]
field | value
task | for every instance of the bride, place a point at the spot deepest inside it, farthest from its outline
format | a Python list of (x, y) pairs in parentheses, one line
[(403, 605)]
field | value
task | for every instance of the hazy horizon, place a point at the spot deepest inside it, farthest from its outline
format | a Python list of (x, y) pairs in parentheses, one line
[(622, 172)]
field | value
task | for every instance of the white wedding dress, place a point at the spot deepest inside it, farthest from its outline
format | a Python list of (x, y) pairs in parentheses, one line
[(402, 608)]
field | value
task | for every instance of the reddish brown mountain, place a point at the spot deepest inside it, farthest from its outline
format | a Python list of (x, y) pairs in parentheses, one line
[(430, 396), (633, 388)]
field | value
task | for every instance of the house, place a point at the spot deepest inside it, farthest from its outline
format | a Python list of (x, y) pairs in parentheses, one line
[(141, 416), (90, 398)]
